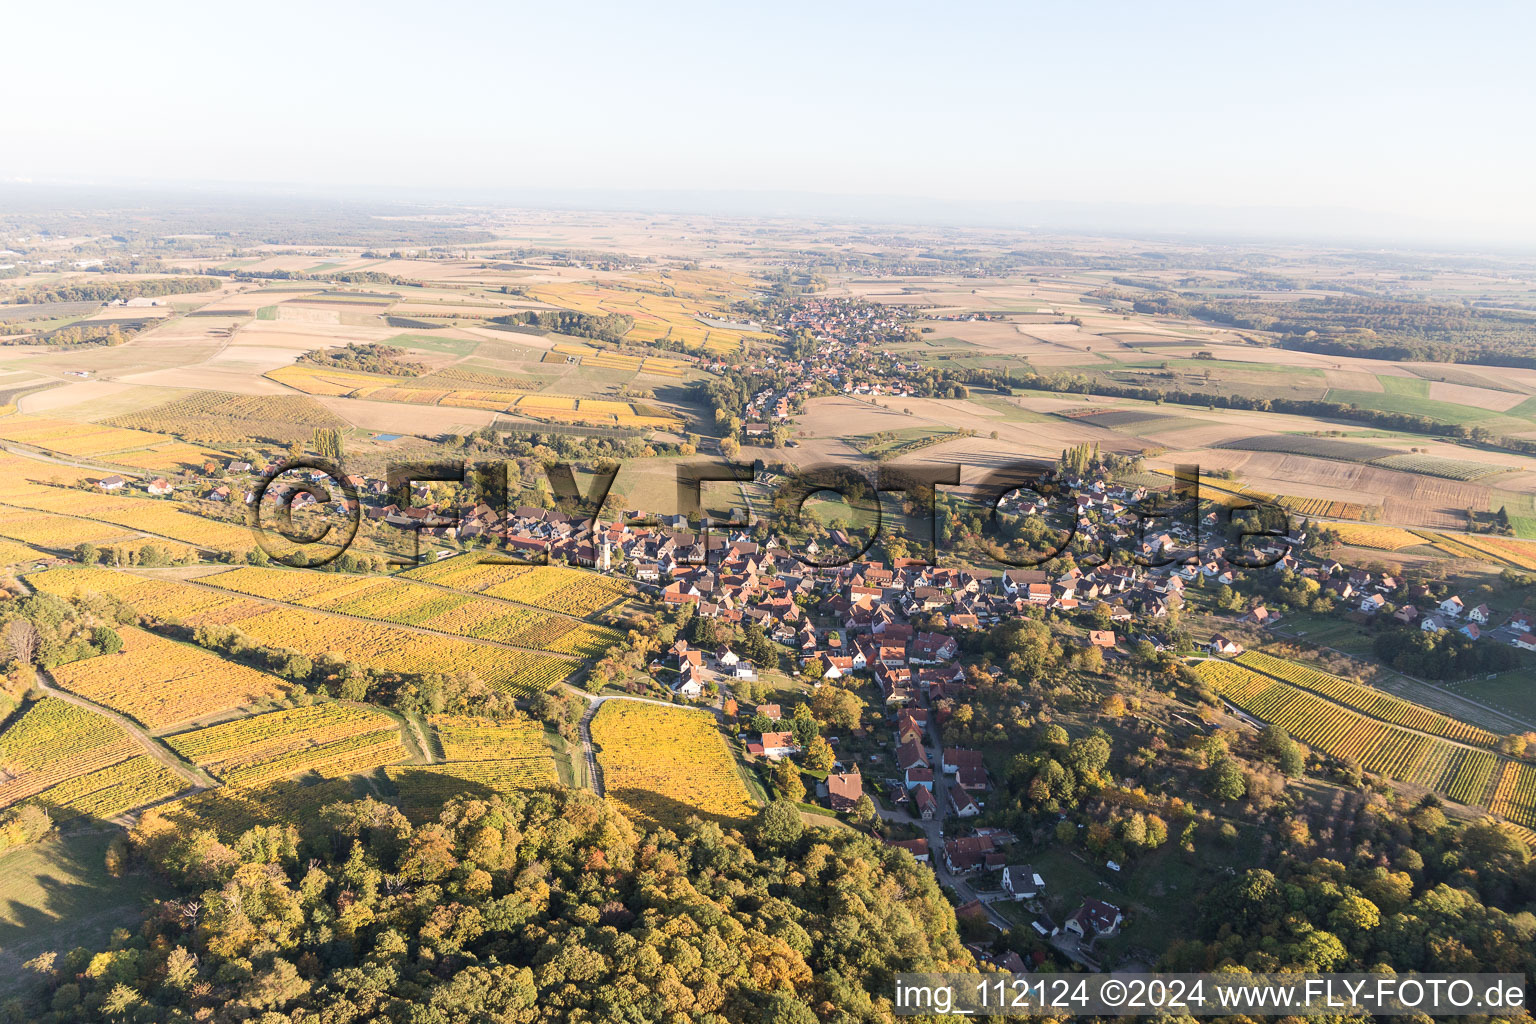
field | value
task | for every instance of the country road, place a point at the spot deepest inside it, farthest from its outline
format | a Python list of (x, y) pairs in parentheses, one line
[(194, 776)]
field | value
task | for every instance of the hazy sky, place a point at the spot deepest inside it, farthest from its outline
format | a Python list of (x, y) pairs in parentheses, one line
[(1417, 111)]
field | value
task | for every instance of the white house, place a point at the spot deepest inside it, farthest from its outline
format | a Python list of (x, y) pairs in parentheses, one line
[(1094, 917), (1451, 606), (1021, 882), (1430, 624), (1479, 615)]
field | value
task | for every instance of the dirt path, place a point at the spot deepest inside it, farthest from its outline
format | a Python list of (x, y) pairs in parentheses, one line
[(195, 777)]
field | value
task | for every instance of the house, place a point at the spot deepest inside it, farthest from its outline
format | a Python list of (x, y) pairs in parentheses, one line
[(239, 467), (1471, 632), (1101, 637), (955, 758), (221, 493), (1451, 606), (1406, 614), (1021, 882), (967, 853), (918, 848), (927, 806), (159, 487), (961, 803), (1094, 918), (911, 755), (1372, 603), (1431, 624), (1480, 615), (1525, 641), (778, 744), (111, 483), (1521, 622), (1223, 645), (689, 686), (919, 777), (844, 790), (769, 711)]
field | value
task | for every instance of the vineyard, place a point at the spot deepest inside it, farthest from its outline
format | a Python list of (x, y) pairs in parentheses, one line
[(425, 788), (1372, 701), (230, 812), (392, 599), (371, 644), (557, 588), (70, 438), (159, 682), (1515, 795), (218, 417), (143, 514), (1382, 538), (473, 739), (664, 763), (108, 792), (329, 739), (1339, 732), (67, 756), (1434, 465), (12, 552), (1323, 507)]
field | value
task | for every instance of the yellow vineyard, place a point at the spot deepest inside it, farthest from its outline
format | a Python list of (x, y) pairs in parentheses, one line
[(664, 763), (158, 682)]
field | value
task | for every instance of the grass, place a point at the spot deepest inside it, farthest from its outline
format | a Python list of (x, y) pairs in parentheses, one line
[(267, 313), (455, 346), (56, 895), (1413, 386), (1513, 691), (1413, 405)]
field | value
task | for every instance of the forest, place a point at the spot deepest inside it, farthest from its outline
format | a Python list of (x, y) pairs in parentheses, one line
[(540, 906)]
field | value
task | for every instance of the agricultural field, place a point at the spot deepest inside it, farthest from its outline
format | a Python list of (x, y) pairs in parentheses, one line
[(664, 763), (371, 644), (1514, 797), (12, 552), (330, 740), (1317, 447), (1372, 701), (393, 599), (160, 683), (316, 380), (223, 418), (108, 792), (1434, 465), (231, 810), (145, 515), (1376, 746), (53, 742), (557, 588), (71, 438), (484, 757), (1382, 538)]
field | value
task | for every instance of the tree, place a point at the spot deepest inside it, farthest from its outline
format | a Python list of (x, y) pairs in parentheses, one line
[(22, 638), (87, 554), (836, 707), (779, 824), (106, 638), (1225, 780), (787, 782), (819, 756)]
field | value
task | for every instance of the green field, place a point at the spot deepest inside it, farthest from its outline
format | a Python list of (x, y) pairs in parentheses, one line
[(454, 346), (56, 895), (1413, 405)]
